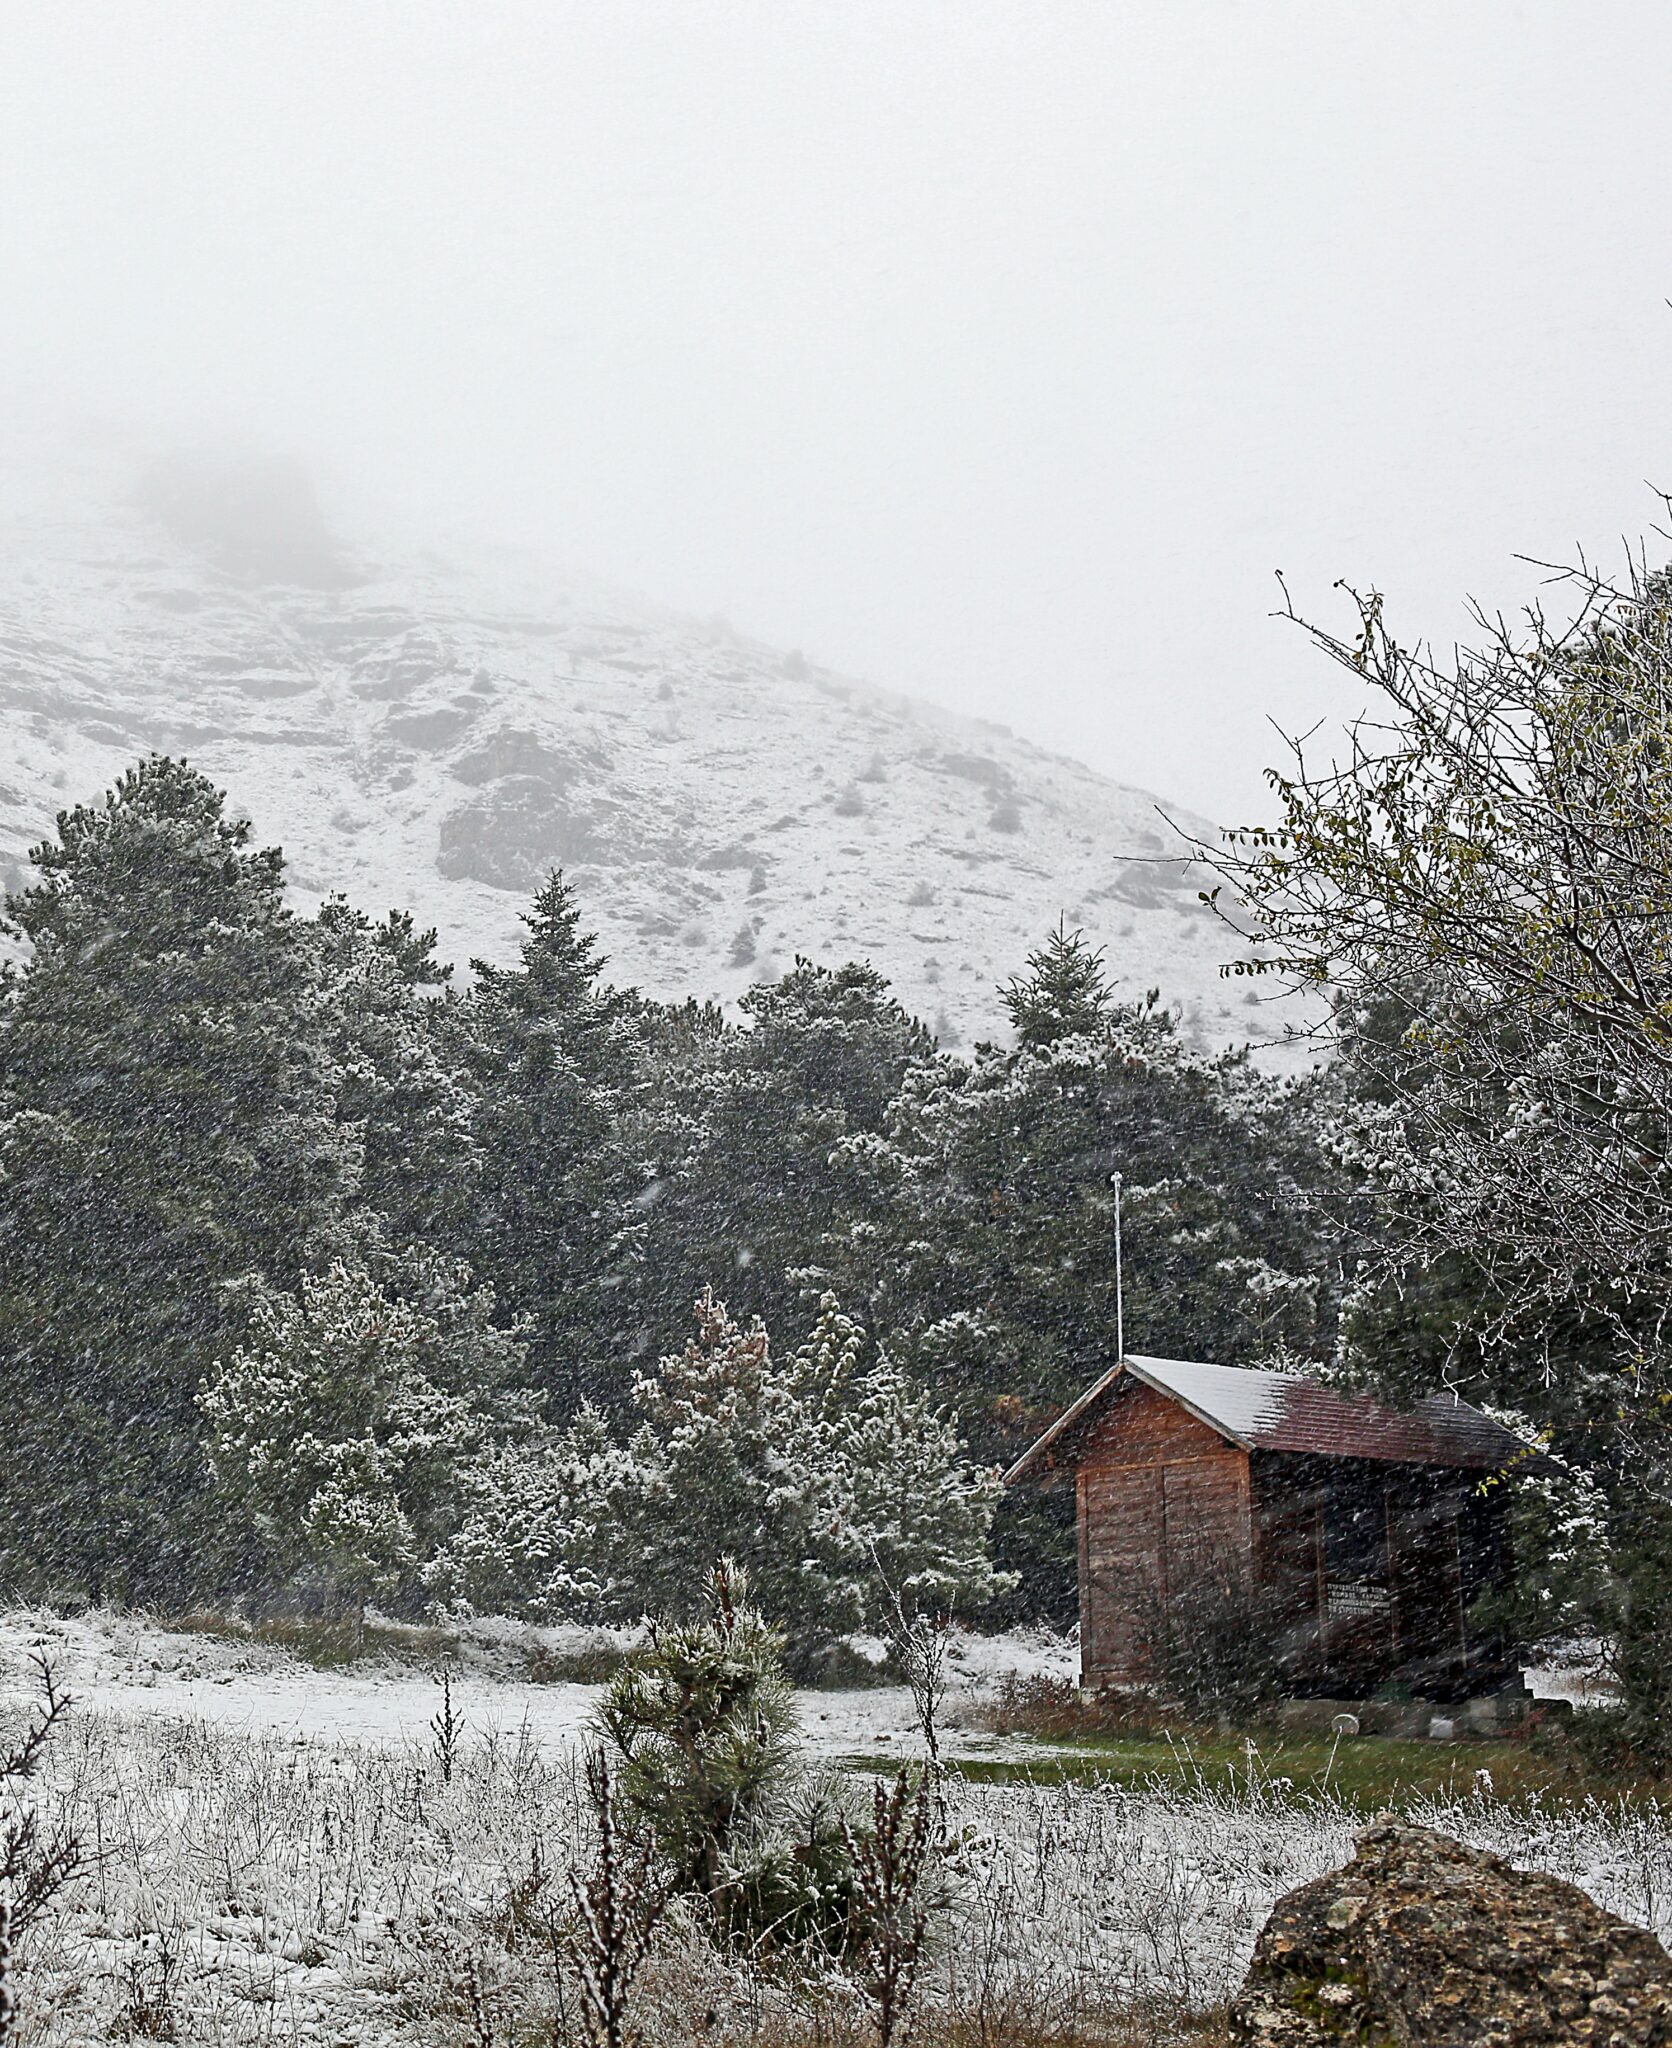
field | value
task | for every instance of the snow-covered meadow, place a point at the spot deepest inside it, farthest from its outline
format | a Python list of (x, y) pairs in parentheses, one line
[(503, 1678), (278, 1856)]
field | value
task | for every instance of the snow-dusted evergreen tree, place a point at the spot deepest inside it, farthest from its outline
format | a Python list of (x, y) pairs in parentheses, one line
[(402, 1086), (557, 1062), (702, 1726), (1065, 992), (539, 1532), (166, 1128), (836, 1487), (347, 1434), (748, 1176)]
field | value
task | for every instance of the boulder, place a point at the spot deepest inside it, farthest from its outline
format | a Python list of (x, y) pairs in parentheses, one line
[(1419, 1942)]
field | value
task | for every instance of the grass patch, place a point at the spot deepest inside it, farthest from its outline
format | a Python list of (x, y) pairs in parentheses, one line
[(583, 1663), (334, 1645), (1092, 1739), (1366, 1771), (328, 1645)]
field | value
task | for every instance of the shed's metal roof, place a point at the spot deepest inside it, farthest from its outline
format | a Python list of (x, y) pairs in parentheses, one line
[(1284, 1411)]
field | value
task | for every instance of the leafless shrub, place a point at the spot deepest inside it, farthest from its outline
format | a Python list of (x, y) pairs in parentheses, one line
[(920, 1645), (34, 1866), (1214, 1645)]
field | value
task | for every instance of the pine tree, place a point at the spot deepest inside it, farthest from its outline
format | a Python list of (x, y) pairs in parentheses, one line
[(1064, 993), (541, 1530), (703, 1724), (703, 1730), (842, 1492), (403, 1091), (558, 1060), (165, 1130), (750, 1177)]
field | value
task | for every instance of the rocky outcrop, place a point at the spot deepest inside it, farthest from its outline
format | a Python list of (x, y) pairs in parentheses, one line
[(1422, 1943), (440, 730)]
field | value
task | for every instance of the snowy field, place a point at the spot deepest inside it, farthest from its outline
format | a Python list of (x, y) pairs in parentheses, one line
[(132, 1669), (278, 1858)]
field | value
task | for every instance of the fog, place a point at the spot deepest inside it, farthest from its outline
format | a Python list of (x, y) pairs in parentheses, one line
[(999, 353)]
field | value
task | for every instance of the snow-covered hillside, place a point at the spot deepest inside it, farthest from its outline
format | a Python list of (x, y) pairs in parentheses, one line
[(436, 733)]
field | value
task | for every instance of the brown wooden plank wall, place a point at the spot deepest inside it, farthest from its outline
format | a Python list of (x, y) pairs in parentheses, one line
[(1163, 1500)]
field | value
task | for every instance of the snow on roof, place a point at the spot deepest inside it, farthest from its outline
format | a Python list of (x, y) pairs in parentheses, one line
[(1285, 1411)]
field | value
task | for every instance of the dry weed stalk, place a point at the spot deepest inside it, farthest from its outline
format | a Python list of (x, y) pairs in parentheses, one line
[(8, 1991), (889, 1867), (447, 1729), (618, 1905)]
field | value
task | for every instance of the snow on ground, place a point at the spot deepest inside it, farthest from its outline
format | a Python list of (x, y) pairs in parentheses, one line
[(281, 1856), (1579, 1675), (130, 1666)]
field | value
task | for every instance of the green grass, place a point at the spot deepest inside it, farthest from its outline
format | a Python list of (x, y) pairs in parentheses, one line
[(1367, 1771)]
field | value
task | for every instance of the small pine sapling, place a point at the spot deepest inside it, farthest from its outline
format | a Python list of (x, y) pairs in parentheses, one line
[(702, 1722)]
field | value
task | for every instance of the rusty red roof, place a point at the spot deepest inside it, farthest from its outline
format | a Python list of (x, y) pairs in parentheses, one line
[(1285, 1411)]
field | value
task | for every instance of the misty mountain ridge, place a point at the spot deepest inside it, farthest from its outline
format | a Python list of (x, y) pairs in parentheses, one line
[(437, 734)]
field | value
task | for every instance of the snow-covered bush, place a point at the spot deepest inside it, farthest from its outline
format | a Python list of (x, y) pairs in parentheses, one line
[(841, 1490), (344, 1434), (845, 1494), (537, 1535)]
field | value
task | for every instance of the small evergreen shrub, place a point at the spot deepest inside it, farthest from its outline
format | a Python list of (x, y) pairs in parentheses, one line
[(706, 1763)]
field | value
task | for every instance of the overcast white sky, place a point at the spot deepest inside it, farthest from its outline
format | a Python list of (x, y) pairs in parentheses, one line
[(1000, 352)]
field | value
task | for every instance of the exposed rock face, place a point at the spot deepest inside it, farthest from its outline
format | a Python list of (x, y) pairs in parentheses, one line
[(1421, 1943), (439, 731)]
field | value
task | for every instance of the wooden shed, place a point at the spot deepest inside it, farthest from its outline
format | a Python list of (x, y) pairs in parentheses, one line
[(1355, 1538)]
